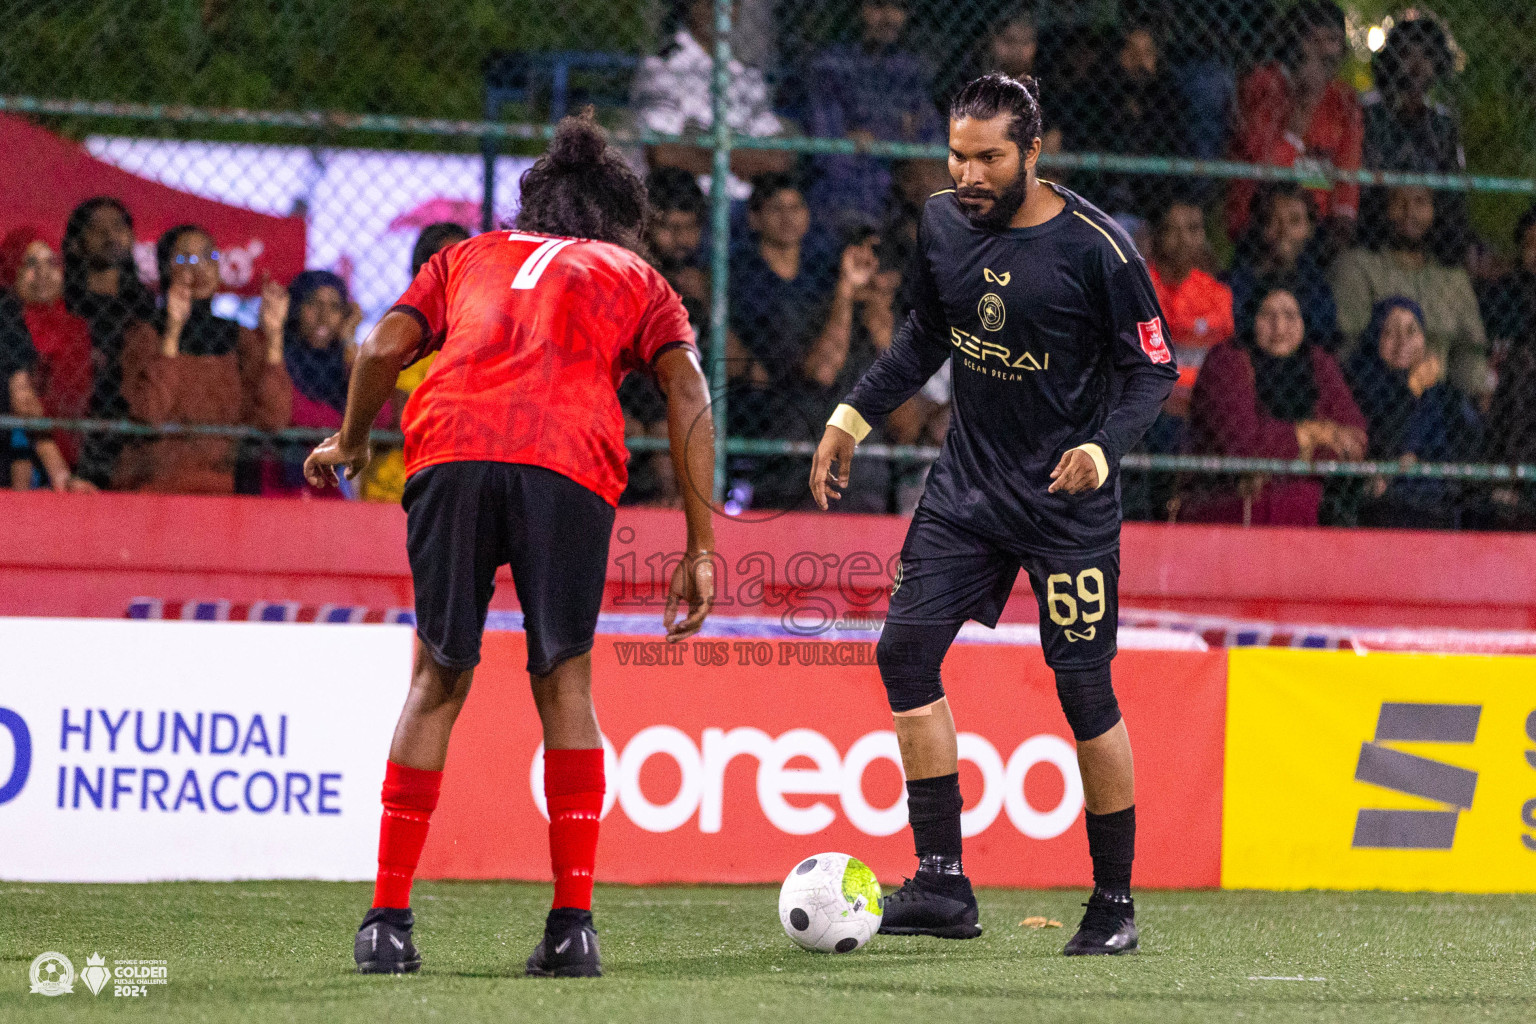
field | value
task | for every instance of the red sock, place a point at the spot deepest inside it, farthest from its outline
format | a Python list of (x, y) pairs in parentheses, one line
[(573, 785), (410, 796)]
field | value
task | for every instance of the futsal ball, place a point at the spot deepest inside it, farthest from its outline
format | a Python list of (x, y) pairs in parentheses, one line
[(830, 903)]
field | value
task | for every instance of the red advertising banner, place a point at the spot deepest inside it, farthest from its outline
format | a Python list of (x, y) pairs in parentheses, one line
[(729, 760), (46, 176)]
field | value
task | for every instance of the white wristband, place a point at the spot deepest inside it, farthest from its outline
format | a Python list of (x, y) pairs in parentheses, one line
[(845, 417)]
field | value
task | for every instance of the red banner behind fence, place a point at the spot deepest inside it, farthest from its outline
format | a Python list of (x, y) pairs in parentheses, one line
[(731, 760)]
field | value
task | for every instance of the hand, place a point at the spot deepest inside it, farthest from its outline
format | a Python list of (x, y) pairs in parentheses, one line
[(350, 323), (274, 309), (1425, 374), (693, 584), (320, 467), (1309, 434), (858, 266), (1075, 473), (178, 300), (75, 485), (861, 137), (836, 446), (1347, 442)]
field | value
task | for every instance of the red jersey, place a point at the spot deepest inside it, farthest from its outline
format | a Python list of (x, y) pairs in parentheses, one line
[(534, 334), (1335, 135)]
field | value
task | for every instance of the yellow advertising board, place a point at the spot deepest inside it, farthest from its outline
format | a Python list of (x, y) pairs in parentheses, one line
[(1382, 771)]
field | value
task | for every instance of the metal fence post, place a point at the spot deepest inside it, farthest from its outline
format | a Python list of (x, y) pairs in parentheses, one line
[(720, 231)]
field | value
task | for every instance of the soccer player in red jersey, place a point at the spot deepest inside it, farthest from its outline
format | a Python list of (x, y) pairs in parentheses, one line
[(514, 450)]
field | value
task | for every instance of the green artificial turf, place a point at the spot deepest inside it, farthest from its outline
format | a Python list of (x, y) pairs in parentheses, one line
[(279, 951)]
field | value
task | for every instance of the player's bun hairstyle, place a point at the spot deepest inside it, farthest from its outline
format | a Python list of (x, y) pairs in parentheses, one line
[(990, 95), (582, 188)]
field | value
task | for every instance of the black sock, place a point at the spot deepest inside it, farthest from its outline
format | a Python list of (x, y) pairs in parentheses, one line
[(1112, 845), (933, 808)]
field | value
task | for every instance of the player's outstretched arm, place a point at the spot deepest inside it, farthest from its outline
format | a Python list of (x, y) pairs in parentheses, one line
[(691, 429), (391, 342)]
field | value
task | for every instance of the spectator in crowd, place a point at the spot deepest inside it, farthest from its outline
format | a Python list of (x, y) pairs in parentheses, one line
[(780, 279), (1509, 306), (63, 375), (873, 89), (1271, 394), (1210, 40), (102, 287), (19, 397), (319, 347), (1278, 251), (1511, 438), (384, 479), (1133, 107), (1412, 416), (671, 96), (1402, 264), (857, 325), (1295, 112), (1406, 131), (1196, 307), (1009, 47), (913, 183), (1072, 75), (674, 231), (194, 367)]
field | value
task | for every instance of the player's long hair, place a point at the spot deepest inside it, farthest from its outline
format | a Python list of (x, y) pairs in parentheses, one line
[(582, 188), (990, 95)]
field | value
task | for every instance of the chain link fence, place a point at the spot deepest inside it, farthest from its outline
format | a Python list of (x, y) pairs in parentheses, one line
[(1334, 201)]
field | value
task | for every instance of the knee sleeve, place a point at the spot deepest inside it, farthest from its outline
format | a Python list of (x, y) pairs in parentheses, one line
[(1088, 701), (909, 658)]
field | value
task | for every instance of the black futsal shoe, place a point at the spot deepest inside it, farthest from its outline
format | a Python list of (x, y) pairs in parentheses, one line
[(383, 944), (929, 904), (568, 948), (1108, 928)]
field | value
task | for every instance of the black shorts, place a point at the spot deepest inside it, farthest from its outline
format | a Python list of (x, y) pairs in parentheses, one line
[(464, 520), (948, 575)]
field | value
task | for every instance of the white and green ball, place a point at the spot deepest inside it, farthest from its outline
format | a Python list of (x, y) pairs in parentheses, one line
[(830, 903)]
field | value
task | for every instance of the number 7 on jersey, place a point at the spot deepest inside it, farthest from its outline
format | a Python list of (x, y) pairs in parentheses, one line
[(538, 260)]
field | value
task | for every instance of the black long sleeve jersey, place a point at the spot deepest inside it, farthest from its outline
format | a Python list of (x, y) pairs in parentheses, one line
[(1056, 339)]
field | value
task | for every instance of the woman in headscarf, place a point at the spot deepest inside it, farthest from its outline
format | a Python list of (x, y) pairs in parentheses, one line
[(319, 346), (191, 366), (62, 373), (1413, 416), (1272, 394)]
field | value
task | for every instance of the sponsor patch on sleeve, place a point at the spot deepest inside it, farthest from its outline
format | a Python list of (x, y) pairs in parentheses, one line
[(1152, 342)]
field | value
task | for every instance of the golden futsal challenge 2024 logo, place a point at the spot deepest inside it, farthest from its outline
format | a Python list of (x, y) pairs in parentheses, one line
[(53, 974)]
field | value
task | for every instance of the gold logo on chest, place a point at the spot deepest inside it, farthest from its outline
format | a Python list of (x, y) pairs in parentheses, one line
[(992, 311)]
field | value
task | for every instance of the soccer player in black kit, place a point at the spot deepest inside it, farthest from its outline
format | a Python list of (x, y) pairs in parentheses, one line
[(1060, 363)]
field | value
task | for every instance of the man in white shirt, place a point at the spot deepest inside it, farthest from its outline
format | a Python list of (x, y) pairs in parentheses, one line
[(671, 96)]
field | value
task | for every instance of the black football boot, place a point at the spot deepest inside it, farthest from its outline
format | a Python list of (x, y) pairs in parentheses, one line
[(930, 904), (383, 944), (1108, 928), (568, 948)]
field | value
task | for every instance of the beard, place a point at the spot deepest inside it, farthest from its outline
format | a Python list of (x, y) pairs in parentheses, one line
[(1004, 204)]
